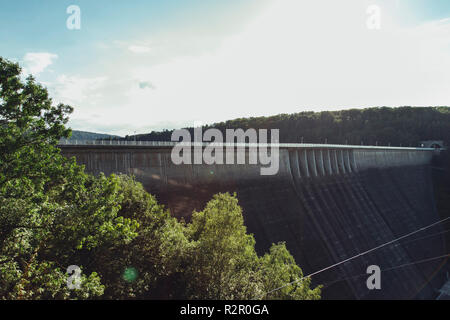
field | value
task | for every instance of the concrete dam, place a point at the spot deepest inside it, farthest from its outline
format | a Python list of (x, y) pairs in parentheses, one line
[(327, 202)]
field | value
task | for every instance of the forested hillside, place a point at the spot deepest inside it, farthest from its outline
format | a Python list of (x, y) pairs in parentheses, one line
[(404, 126), (84, 135)]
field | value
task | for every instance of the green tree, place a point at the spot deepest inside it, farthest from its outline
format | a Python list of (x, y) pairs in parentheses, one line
[(223, 260), (148, 266), (51, 212), (278, 269), (224, 264)]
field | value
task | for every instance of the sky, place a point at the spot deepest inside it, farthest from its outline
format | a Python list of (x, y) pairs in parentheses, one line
[(142, 65)]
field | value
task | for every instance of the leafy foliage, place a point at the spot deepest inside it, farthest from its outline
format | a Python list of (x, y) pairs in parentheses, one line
[(223, 262), (46, 201)]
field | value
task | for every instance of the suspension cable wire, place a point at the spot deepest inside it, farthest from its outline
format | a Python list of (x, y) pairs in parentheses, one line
[(425, 237), (358, 255), (328, 284), (422, 238)]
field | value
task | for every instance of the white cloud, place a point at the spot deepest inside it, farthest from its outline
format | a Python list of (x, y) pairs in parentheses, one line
[(294, 56), (37, 62), (139, 49), (79, 90)]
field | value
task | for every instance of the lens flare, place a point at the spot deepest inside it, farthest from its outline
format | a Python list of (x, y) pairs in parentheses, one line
[(130, 274)]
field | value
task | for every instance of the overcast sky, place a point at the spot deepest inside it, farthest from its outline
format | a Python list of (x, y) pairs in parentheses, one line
[(137, 66)]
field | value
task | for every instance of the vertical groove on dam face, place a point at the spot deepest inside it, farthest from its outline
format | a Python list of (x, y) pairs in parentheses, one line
[(409, 205), (327, 205)]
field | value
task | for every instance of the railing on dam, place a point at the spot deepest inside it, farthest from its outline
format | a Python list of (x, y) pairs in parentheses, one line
[(159, 144)]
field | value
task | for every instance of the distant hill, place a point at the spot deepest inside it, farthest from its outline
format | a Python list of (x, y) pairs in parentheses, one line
[(84, 135)]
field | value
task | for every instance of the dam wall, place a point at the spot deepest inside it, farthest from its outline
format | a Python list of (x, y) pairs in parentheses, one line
[(313, 160), (327, 202)]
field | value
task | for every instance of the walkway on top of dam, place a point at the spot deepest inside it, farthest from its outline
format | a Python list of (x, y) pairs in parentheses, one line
[(169, 144)]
